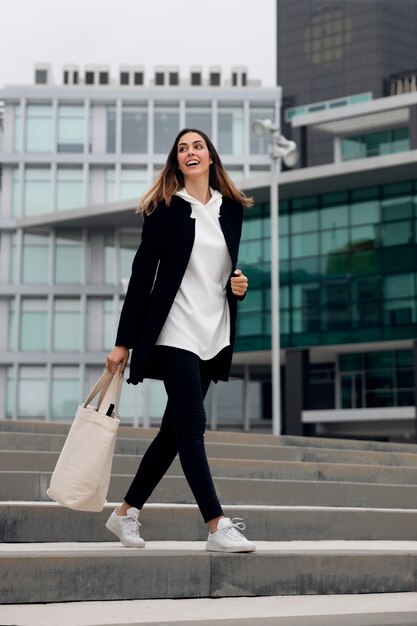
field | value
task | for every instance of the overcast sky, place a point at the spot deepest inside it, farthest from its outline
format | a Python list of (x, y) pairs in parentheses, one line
[(145, 32)]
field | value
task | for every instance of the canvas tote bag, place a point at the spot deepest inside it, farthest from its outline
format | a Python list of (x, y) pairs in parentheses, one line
[(82, 474)]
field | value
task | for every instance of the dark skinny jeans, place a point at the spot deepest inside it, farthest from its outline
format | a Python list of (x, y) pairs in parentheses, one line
[(186, 379)]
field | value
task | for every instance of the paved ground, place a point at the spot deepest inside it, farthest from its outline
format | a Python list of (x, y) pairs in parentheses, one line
[(376, 609)]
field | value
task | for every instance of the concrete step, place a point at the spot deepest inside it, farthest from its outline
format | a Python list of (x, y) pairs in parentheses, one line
[(95, 571), (54, 443), (32, 486), (35, 426), (386, 609), (48, 522), (17, 460)]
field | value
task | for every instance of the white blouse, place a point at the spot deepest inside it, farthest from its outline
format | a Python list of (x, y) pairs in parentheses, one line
[(199, 319)]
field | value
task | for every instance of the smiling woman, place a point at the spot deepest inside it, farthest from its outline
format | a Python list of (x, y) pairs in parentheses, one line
[(179, 316)]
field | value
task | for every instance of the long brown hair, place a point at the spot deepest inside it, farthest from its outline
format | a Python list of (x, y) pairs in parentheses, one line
[(171, 179)]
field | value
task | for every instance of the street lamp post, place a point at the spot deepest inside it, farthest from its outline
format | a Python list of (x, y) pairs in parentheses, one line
[(286, 150)]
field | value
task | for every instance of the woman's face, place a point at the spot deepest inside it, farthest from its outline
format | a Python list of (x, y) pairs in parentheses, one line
[(193, 156)]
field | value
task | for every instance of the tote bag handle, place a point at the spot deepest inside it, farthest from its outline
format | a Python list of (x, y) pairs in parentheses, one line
[(110, 388)]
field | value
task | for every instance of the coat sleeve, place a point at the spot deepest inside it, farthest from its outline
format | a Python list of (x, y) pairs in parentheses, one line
[(144, 269)]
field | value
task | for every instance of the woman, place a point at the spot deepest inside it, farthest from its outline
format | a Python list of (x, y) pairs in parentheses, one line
[(179, 319)]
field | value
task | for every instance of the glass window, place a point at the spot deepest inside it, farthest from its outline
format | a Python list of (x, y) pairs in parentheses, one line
[(399, 312), (249, 324), (166, 127), (67, 324), (397, 233), (399, 286), (128, 245), (230, 130), (260, 145), (17, 130), (198, 116), (35, 263), (334, 216), (306, 295), (365, 237), (253, 301), (251, 251), (365, 212), (133, 183), (32, 391), (304, 245), (37, 191), (11, 325), (377, 143), (70, 128), (252, 229), (65, 391), (303, 270), (13, 259), (39, 128), (134, 129), (110, 185), (16, 197), (34, 324), (335, 240), (397, 208), (10, 392), (111, 129), (400, 140), (101, 331), (69, 257), (304, 221), (69, 188)]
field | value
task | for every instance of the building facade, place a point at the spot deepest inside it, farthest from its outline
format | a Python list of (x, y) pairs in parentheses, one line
[(75, 158)]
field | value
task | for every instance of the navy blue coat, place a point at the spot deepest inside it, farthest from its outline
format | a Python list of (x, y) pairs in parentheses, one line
[(158, 268)]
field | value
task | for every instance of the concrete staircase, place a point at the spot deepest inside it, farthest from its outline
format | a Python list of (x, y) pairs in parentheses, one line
[(328, 517)]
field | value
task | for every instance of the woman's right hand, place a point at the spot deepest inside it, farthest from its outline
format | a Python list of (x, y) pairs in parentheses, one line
[(117, 359)]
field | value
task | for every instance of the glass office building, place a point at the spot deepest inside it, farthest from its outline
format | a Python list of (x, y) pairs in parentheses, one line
[(74, 161)]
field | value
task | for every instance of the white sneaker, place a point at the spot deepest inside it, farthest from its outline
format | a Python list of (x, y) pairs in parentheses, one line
[(227, 538), (126, 528)]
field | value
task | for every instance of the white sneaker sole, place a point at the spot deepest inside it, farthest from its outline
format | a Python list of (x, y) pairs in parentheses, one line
[(232, 549), (109, 526)]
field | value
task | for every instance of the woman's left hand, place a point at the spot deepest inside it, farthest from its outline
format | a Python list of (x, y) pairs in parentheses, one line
[(239, 283)]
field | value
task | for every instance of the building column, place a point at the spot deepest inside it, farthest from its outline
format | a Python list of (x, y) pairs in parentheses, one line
[(415, 385), (413, 127), (296, 390)]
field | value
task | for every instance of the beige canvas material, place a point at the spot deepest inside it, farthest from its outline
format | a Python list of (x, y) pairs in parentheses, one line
[(82, 474)]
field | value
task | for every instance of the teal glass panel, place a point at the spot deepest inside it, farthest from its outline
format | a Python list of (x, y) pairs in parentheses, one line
[(231, 130), (134, 129), (365, 262), (128, 245), (10, 392), (306, 221), (400, 140), (335, 240), (399, 286), (335, 305), (398, 259), (39, 128), (198, 116), (253, 301), (110, 129), (65, 391), (334, 265), (109, 329), (67, 324), (69, 257), (305, 320), (350, 362), (334, 216), (377, 143), (364, 193), (13, 259), (283, 225), (259, 145), (69, 192), (379, 379), (383, 359), (249, 324), (166, 127), (396, 189), (285, 322), (37, 191), (110, 185), (379, 398), (366, 212), (305, 295), (70, 128), (133, 183), (252, 229), (35, 258), (32, 399), (11, 326), (397, 233), (34, 325), (404, 358), (251, 251), (404, 378), (109, 259), (399, 312), (365, 237), (406, 398), (303, 270), (304, 245), (400, 208), (299, 204), (352, 148)]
